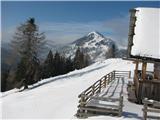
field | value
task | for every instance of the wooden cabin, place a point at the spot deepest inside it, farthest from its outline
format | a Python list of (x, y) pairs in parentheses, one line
[(143, 50)]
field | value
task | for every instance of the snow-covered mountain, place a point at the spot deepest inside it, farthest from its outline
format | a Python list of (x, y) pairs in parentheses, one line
[(94, 44)]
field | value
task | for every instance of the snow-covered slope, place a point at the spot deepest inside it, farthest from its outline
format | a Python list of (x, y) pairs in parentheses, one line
[(94, 44), (57, 97)]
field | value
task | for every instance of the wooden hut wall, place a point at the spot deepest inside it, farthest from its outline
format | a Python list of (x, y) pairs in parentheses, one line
[(157, 70), (148, 89)]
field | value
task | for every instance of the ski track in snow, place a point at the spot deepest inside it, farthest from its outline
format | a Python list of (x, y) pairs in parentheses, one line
[(57, 97)]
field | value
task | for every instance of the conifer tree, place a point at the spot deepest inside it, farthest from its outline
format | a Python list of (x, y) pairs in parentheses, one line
[(62, 65), (48, 69), (77, 62), (111, 52), (20, 71), (27, 41), (4, 76), (81, 60), (86, 60), (69, 65), (57, 59)]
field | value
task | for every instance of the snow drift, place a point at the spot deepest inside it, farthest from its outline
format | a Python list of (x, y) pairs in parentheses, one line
[(57, 97)]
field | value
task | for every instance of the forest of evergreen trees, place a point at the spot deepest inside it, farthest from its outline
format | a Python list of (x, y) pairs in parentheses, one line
[(28, 42)]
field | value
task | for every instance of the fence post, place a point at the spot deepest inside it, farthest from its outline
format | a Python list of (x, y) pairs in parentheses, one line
[(105, 79), (93, 90), (120, 106), (82, 104), (109, 77), (129, 74), (145, 111), (114, 74), (100, 86)]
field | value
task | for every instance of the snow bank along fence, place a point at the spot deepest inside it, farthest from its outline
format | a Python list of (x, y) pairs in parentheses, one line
[(92, 92), (151, 106)]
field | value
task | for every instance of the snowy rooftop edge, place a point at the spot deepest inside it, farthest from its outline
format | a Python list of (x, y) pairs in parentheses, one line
[(146, 41)]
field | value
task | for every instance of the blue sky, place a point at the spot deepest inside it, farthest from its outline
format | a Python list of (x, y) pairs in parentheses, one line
[(64, 22)]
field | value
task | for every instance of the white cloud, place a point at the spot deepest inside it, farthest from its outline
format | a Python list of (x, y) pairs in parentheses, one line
[(7, 33), (116, 29), (119, 28), (66, 32)]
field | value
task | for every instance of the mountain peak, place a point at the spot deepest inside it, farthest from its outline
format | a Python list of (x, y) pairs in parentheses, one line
[(93, 32), (95, 45), (95, 35)]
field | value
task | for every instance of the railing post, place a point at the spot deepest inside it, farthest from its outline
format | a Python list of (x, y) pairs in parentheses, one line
[(144, 108), (114, 73), (129, 76), (145, 111), (100, 86), (105, 80), (109, 77), (93, 89), (120, 106), (82, 104)]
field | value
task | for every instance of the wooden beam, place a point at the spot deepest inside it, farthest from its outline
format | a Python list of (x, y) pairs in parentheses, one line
[(136, 70), (136, 67), (157, 71), (144, 67), (131, 31), (136, 80), (141, 59)]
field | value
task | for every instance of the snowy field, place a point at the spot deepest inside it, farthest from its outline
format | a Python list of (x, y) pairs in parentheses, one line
[(57, 97)]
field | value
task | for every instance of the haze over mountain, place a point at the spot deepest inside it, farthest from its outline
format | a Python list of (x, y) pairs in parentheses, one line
[(94, 44)]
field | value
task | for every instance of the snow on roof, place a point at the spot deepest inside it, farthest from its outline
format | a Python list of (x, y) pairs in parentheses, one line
[(146, 41)]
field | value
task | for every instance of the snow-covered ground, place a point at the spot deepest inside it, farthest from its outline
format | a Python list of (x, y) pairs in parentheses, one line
[(57, 97)]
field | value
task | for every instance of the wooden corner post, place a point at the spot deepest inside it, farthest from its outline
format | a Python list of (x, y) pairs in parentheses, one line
[(144, 66)]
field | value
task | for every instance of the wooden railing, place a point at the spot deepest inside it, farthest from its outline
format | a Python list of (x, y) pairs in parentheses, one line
[(98, 86), (151, 106)]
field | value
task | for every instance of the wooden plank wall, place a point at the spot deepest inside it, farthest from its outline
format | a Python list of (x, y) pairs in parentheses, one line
[(157, 71), (149, 89)]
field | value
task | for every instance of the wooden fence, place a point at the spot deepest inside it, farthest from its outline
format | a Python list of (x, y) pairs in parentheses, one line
[(152, 107), (92, 93), (147, 88)]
